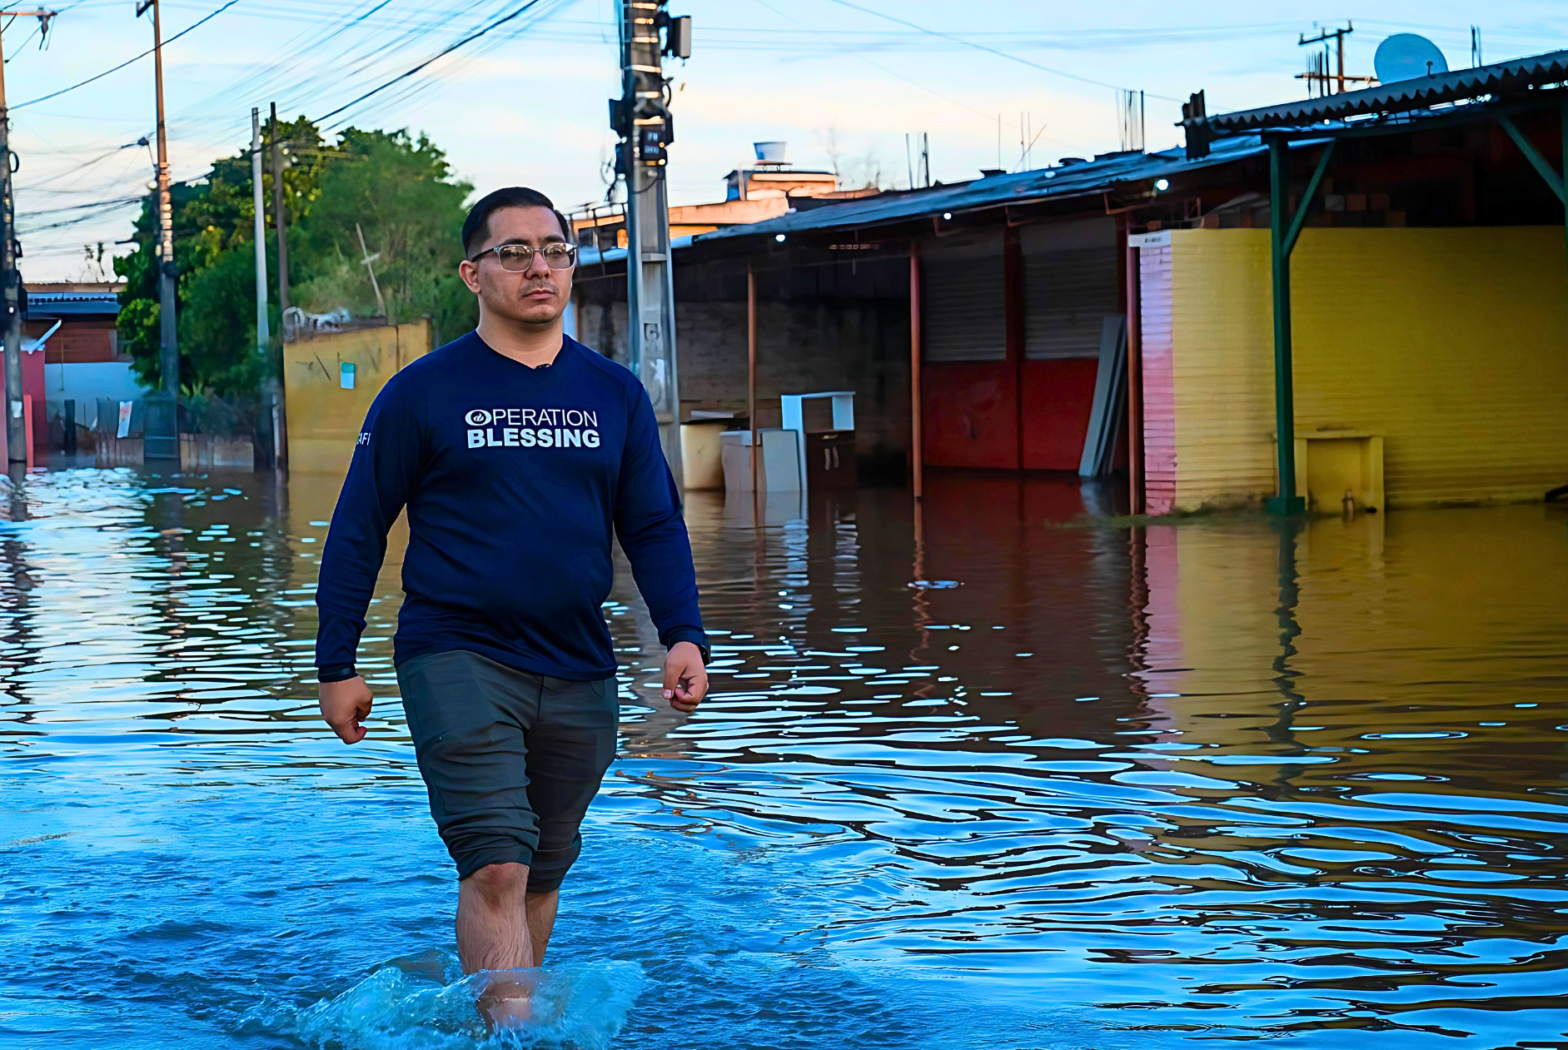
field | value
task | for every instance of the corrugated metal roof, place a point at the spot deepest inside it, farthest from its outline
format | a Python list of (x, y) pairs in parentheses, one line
[(1399, 97), (1091, 177), (52, 305), (1075, 180)]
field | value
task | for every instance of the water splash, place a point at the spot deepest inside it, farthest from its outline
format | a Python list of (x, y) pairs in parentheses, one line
[(409, 1005)]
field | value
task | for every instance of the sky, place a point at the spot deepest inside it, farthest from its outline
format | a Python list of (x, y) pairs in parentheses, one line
[(989, 83)]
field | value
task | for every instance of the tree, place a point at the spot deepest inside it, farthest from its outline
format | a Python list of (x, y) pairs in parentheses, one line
[(399, 189)]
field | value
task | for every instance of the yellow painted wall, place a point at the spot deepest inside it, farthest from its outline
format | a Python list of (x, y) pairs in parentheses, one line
[(1452, 344), (324, 418), (1222, 365)]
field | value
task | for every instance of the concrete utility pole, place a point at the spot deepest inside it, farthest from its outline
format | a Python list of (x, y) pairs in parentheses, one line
[(162, 431), (642, 119), (17, 437)]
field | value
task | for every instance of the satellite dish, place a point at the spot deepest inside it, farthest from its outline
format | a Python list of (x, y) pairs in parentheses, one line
[(1406, 56)]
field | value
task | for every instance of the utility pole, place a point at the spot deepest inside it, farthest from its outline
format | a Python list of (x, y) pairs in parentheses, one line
[(18, 439), (1318, 72), (280, 430), (162, 433), (267, 432), (277, 218), (642, 119)]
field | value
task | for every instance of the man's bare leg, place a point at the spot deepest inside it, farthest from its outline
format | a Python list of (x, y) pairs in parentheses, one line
[(493, 934), (541, 921)]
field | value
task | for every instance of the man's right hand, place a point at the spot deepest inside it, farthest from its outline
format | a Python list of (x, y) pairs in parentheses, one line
[(344, 705)]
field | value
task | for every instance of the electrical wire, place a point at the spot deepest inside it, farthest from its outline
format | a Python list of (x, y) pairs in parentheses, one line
[(103, 209), (991, 50), (79, 207), (439, 54), (127, 62), (55, 177)]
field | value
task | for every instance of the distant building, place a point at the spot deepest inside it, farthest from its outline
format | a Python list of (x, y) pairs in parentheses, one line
[(769, 188), (71, 352)]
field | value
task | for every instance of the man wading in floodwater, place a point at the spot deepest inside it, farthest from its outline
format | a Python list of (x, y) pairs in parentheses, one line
[(516, 452)]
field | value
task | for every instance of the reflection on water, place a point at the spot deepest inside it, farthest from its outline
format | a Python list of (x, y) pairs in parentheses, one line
[(989, 777)]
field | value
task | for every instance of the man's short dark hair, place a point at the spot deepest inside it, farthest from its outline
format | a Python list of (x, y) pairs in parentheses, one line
[(477, 226)]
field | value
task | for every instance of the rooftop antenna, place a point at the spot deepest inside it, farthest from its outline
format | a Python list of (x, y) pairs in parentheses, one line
[(1475, 46), (1129, 118), (1321, 75)]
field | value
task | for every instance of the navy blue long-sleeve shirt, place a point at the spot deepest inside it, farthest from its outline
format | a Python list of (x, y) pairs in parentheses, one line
[(513, 479)]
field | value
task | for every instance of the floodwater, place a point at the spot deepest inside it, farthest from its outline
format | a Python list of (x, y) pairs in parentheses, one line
[(992, 779)]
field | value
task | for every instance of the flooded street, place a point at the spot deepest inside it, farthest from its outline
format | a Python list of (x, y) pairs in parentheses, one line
[(994, 778)]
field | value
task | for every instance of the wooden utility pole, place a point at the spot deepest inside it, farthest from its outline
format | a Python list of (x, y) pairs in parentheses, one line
[(271, 420), (259, 206), (17, 438), (1318, 73), (280, 432), (277, 218), (161, 438)]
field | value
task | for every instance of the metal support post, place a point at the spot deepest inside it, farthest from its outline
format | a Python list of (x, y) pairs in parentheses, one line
[(751, 373), (1286, 501), (645, 125), (917, 450)]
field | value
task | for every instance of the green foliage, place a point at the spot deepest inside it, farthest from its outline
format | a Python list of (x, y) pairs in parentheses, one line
[(401, 192)]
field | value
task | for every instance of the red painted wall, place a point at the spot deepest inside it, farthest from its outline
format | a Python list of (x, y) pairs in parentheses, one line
[(33, 383), (1057, 398), (969, 414)]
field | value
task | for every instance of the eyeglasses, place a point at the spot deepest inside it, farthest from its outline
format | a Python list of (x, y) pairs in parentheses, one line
[(515, 258)]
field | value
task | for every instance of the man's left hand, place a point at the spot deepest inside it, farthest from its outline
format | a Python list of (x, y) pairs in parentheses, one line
[(685, 679)]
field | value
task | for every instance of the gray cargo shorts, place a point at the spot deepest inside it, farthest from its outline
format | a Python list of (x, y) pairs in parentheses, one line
[(511, 759)]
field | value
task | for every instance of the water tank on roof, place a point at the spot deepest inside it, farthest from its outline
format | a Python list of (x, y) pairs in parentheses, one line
[(770, 152), (1407, 56)]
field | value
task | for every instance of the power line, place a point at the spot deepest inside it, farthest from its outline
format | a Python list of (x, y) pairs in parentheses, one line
[(80, 207), (57, 176), (103, 210), (439, 54), (991, 50), (127, 62)]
